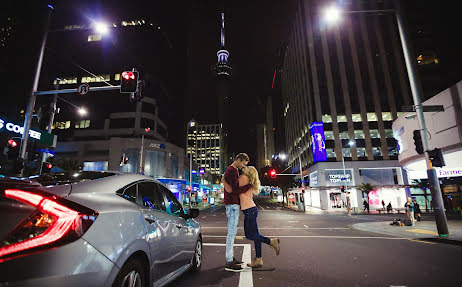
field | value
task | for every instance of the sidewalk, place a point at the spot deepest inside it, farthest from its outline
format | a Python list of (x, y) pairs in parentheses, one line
[(423, 230)]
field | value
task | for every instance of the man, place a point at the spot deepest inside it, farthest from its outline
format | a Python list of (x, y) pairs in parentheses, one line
[(231, 201), (410, 210)]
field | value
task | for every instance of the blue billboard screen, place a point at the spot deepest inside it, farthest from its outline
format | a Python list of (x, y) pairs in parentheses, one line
[(318, 141)]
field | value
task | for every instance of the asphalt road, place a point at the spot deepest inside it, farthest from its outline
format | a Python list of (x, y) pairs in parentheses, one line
[(323, 250)]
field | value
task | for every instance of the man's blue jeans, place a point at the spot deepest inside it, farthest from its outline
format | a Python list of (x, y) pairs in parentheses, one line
[(251, 229), (232, 213)]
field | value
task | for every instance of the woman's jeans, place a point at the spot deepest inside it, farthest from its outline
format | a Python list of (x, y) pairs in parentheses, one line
[(251, 229)]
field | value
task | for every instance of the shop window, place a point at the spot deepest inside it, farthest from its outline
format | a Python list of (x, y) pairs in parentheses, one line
[(359, 134)]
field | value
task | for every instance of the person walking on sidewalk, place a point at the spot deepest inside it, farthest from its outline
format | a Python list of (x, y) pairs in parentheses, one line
[(389, 208), (248, 207), (416, 210), (231, 200), (366, 205), (348, 204), (409, 205)]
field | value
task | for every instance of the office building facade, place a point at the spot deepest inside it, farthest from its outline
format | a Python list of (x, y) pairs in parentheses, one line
[(204, 142)]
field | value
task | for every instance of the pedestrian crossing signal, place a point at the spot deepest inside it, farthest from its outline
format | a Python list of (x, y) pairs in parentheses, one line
[(273, 173)]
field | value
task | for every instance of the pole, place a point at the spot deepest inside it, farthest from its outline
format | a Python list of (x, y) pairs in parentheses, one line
[(51, 119), (140, 169), (301, 178), (31, 104), (440, 216), (190, 177)]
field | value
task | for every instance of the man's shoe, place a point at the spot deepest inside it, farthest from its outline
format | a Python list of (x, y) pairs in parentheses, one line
[(231, 266), (256, 263), (275, 244), (237, 262)]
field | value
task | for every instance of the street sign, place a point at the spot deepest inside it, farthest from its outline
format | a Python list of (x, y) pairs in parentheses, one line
[(83, 89), (429, 108), (48, 151)]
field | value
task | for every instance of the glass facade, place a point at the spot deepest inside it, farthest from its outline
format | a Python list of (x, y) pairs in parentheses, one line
[(154, 164)]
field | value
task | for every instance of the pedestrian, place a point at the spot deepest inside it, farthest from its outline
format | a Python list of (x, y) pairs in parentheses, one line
[(389, 208), (409, 205), (383, 204), (348, 205), (416, 210), (250, 211), (366, 205), (231, 200)]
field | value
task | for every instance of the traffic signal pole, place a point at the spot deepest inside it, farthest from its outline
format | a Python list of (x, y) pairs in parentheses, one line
[(31, 104), (50, 120), (440, 216)]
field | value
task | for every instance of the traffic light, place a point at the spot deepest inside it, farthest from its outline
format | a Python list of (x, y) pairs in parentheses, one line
[(46, 167), (342, 188), (273, 173), (129, 82), (123, 160), (436, 156), (418, 142), (13, 148), (189, 188)]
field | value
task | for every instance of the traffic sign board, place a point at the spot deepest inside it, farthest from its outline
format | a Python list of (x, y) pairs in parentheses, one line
[(83, 89)]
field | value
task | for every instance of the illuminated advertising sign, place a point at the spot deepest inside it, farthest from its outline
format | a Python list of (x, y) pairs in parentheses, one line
[(318, 141), (336, 177), (38, 135)]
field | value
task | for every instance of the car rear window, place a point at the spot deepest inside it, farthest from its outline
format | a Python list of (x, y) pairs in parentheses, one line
[(69, 177)]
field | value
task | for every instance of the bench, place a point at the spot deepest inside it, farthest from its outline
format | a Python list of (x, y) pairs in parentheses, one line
[(393, 210)]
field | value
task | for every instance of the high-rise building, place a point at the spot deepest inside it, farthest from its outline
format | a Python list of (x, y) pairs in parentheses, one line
[(343, 85), (204, 143), (222, 70), (265, 137)]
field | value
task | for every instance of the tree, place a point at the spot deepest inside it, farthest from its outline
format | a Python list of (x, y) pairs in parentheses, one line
[(366, 188)]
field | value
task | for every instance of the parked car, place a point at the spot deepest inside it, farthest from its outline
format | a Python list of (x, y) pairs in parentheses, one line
[(94, 229)]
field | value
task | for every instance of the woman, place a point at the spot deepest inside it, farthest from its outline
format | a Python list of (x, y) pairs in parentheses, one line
[(248, 207)]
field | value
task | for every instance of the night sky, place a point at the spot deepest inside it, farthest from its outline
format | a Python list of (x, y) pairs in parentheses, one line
[(256, 32)]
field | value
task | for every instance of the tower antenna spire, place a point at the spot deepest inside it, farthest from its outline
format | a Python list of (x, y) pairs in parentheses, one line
[(222, 29)]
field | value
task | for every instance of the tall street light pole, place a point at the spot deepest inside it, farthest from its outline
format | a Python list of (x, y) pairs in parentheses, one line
[(191, 124), (333, 14), (31, 104)]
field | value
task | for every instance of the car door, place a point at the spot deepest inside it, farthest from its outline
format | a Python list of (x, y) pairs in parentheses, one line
[(184, 237), (152, 204)]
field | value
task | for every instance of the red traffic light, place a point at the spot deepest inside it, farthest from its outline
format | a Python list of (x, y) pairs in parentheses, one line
[(189, 188), (273, 173), (49, 165), (128, 75), (12, 143)]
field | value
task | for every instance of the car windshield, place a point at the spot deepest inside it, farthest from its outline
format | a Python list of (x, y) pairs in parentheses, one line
[(68, 177)]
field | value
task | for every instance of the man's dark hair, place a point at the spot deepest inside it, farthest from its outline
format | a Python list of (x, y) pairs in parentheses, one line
[(243, 157)]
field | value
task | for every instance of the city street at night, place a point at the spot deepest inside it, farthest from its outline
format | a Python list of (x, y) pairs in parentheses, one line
[(323, 249)]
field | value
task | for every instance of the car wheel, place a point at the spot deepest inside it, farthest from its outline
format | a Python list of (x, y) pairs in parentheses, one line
[(131, 274), (197, 259)]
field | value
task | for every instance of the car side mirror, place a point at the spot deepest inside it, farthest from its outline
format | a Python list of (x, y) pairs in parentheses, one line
[(193, 213)]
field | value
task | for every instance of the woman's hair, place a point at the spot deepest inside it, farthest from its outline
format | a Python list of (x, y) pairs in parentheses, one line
[(254, 180)]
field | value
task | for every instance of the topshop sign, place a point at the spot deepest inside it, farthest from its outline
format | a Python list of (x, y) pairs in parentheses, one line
[(41, 136), (336, 177)]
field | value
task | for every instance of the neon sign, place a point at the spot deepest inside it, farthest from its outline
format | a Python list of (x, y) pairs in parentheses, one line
[(318, 141)]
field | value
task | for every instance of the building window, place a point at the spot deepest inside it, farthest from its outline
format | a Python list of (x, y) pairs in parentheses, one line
[(374, 134), (66, 81), (343, 135), (371, 117), (95, 165), (82, 124), (361, 151), (346, 152), (92, 38), (389, 133), (359, 134), (326, 119), (330, 152), (341, 119), (392, 151), (117, 77), (97, 79), (329, 135), (377, 151), (61, 125), (386, 116), (356, 118)]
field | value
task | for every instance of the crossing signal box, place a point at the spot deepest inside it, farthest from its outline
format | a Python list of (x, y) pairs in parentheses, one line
[(273, 173), (342, 188), (436, 157), (129, 82), (418, 142), (46, 167)]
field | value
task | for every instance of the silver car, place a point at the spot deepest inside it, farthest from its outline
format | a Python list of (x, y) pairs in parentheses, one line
[(94, 229)]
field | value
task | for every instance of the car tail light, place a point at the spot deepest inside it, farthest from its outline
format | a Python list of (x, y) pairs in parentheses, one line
[(55, 222)]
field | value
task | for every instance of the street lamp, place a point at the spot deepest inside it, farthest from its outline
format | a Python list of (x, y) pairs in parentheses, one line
[(82, 111), (440, 217), (101, 28), (191, 124)]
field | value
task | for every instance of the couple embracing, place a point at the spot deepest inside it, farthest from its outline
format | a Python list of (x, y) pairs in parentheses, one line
[(238, 195)]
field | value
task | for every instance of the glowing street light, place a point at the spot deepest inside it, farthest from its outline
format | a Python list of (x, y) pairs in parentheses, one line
[(82, 111), (282, 156), (101, 28), (332, 14)]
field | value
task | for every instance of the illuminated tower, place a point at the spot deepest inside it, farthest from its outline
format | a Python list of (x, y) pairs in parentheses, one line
[(223, 71)]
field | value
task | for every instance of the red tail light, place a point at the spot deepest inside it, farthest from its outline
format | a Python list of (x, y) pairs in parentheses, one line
[(56, 221)]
